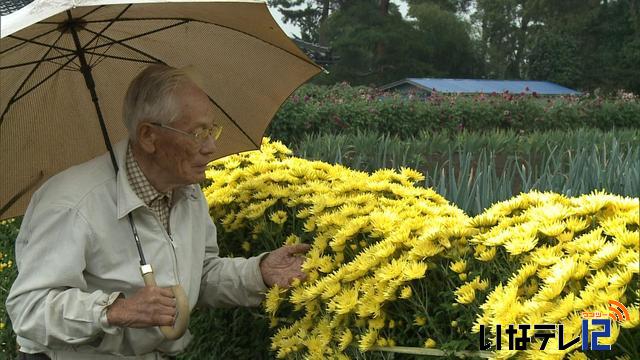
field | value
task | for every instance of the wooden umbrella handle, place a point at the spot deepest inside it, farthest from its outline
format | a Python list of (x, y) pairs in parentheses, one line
[(182, 307)]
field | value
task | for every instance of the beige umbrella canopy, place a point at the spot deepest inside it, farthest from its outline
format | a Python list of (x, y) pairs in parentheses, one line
[(48, 120)]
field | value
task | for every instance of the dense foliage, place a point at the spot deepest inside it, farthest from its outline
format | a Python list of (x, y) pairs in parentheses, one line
[(584, 44), (345, 109), (394, 264), (8, 233)]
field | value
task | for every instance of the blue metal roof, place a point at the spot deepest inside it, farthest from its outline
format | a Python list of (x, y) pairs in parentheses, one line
[(485, 86)]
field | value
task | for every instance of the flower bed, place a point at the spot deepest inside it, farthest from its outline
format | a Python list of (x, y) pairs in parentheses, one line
[(395, 264), (344, 109)]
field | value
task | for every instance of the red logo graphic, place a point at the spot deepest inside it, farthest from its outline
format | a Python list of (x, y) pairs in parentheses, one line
[(619, 312)]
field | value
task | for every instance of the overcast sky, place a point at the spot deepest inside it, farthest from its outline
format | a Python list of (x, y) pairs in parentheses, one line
[(291, 30)]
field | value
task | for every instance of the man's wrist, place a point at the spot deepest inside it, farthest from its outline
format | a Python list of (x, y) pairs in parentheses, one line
[(262, 270), (113, 311), (107, 326)]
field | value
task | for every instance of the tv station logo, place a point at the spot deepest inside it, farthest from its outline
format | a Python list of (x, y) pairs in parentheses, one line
[(520, 335)]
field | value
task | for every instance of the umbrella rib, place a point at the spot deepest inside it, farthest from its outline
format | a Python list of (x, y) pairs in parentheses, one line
[(15, 98), (41, 44), (92, 11), (90, 60), (233, 121), (66, 55), (120, 57), (81, 17), (158, 60), (119, 42), (96, 35), (135, 36), (104, 53), (268, 43), (24, 42), (140, 19), (98, 61), (24, 190), (35, 62), (204, 22)]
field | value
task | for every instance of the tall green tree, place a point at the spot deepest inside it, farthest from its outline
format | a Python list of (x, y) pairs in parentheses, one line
[(601, 36), (554, 57), (584, 43), (374, 46), (308, 15), (454, 6), (506, 27), (446, 36)]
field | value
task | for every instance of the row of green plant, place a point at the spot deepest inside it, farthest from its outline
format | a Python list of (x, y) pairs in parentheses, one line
[(475, 170), (341, 108)]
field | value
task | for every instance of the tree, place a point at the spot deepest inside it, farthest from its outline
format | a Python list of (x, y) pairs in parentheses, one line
[(554, 57), (505, 26), (374, 46), (454, 6), (309, 15), (446, 36), (595, 42)]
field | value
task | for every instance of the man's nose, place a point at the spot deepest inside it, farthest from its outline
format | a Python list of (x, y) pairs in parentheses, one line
[(209, 146)]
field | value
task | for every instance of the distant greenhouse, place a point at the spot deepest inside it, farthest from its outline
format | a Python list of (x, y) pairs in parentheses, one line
[(476, 86)]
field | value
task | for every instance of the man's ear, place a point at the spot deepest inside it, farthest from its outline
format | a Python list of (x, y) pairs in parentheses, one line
[(146, 137)]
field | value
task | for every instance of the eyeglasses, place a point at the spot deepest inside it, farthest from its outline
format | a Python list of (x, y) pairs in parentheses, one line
[(200, 135)]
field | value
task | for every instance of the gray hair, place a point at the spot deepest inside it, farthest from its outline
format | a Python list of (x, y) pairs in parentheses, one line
[(150, 97)]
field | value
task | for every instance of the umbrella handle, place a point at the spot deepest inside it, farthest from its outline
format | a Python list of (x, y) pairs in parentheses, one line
[(182, 306)]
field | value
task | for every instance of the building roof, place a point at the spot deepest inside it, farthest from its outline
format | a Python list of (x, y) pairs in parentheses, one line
[(483, 86)]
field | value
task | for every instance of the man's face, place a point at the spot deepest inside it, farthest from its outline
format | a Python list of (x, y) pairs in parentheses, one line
[(182, 158)]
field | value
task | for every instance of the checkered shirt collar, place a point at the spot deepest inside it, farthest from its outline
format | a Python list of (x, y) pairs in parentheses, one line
[(139, 182)]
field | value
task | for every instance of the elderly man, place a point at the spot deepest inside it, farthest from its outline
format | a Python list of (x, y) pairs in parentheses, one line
[(79, 293)]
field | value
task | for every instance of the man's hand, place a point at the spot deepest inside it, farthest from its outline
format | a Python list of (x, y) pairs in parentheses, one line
[(150, 306), (282, 265)]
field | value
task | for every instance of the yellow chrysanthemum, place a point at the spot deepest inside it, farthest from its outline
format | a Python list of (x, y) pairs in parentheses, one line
[(553, 229), (487, 255), (345, 339), (414, 270), (419, 320), (292, 239), (606, 254), (345, 301), (465, 294), (376, 323), (368, 339), (406, 292), (246, 246), (459, 266), (430, 343)]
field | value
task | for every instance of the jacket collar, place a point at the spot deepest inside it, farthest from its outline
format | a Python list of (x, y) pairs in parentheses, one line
[(127, 200)]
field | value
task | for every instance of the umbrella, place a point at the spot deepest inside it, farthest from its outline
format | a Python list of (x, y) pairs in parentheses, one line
[(48, 120), (65, 66)]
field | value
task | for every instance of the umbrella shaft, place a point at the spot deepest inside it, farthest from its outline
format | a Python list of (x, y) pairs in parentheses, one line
[(91, 85)]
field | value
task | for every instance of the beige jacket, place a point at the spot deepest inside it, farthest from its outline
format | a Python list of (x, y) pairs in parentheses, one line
[(75, 254)]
